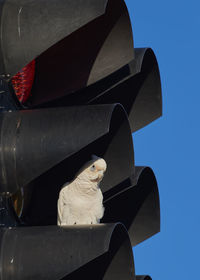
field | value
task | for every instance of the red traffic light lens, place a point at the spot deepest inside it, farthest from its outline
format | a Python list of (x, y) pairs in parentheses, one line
[(22, 82)]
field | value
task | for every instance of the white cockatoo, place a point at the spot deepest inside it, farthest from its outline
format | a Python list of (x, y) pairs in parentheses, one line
[(81, 201)]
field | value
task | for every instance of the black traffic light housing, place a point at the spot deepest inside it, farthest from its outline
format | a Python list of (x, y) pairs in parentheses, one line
[(91, 90)]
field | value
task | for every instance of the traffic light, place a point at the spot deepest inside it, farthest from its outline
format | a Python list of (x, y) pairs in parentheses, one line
[(93, 252), (72, 85)]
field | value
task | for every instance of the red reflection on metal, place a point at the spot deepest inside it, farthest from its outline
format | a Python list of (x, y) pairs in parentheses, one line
[(22, 82)]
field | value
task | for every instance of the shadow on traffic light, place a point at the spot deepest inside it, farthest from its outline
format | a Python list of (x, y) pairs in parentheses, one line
[(139, 92), (93, 252), (62, 66), (137, 206), (66, 67), (147, 106), (33, 142), (23, 22), (136, 86)]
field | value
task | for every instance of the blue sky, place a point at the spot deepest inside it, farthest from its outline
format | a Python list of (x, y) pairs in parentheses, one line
[(170, 145)]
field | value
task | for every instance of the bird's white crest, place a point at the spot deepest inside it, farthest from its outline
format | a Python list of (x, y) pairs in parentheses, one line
[(81, 201)]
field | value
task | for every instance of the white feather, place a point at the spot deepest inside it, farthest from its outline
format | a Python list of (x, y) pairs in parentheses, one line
[(81, 201)]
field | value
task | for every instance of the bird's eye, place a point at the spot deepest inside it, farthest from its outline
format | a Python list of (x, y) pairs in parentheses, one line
[(93, 168)]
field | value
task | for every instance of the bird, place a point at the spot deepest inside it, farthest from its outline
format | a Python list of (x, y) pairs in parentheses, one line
[(81, 200)]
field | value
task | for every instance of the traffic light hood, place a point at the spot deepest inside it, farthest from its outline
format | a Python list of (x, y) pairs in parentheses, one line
[(35, 141), (136, 86), (137, 206), (30, 28), (88, 252)]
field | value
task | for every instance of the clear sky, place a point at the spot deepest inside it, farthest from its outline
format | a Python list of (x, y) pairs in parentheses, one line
[(171, 145)]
